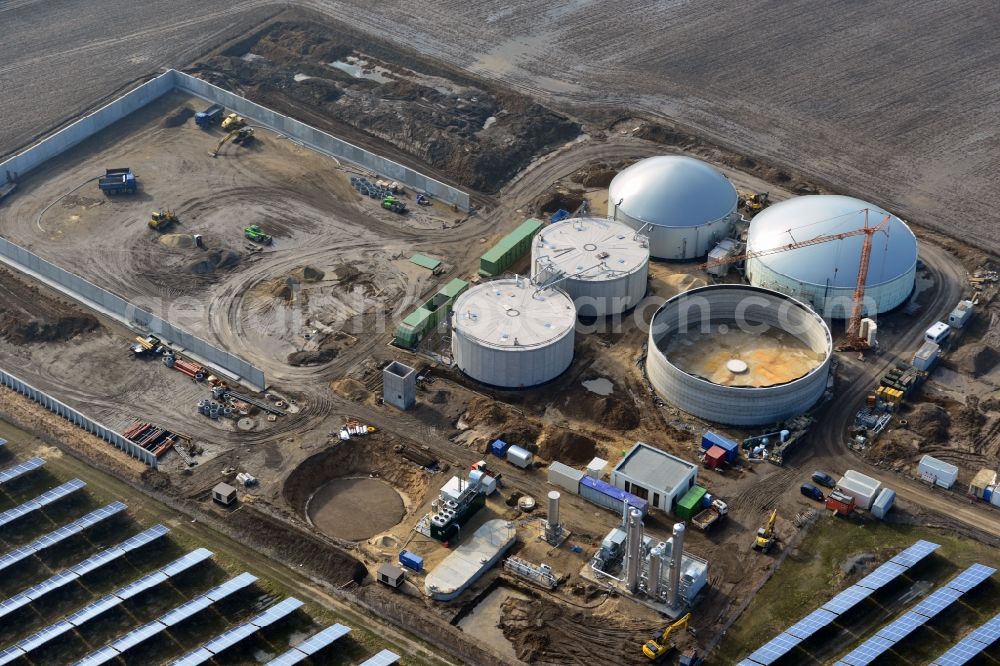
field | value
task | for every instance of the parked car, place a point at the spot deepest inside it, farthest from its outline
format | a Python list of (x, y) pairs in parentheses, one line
[(823, 479), (812, 492)]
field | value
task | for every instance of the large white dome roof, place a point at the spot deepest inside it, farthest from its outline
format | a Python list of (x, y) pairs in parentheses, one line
[(834, 263), (672, 191)]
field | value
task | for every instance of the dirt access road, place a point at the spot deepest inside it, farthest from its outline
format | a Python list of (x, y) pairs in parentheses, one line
[(861, 96)]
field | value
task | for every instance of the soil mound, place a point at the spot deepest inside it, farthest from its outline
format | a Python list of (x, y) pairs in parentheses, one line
[(609, 411), (566, 446), (930, 421), (178, 118), (284, 288), (19, 331), (346, 274), (308, 274), (183, 241), (314, 357), (976, 359), (350, 389), (215, 260)]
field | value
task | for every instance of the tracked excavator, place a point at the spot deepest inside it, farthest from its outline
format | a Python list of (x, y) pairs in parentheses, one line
[(660, 644), (765, 539)]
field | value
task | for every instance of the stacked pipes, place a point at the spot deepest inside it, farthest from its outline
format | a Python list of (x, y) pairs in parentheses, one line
[(633, 550)]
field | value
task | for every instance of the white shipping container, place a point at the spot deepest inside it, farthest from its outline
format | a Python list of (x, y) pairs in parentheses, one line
[(883, 503), (863, 494), (873, 483), (926, 356), (937, 471), (519, 457), (565, 477)]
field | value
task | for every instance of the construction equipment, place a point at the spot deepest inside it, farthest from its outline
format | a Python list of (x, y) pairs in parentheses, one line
[(855, 341), (117, 181), (394, 204), (423, 200), (753, 201), (691, 657), (660, 644), (148, 345), (209, 116), (716, 511), (765, 539), (257, 235), (160, 220), (233, 122), (242, 135)]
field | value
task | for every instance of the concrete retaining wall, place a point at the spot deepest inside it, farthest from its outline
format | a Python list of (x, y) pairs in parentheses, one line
[(75, 417), (102, 300), (320, 141)]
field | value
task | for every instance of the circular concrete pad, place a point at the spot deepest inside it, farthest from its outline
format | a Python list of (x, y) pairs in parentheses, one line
[(736, 366), (355, 509)]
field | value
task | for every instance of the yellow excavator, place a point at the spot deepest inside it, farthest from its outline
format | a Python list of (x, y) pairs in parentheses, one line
[(242, 135), (753, 201), (765, 539), (160, 220), (660, 644), (233, 122)]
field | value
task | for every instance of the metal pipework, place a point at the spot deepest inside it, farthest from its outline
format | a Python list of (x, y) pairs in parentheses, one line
[(676, 557), (633, 550)]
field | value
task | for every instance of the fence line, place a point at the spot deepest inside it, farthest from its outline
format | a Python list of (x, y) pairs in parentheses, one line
[(76, 418)]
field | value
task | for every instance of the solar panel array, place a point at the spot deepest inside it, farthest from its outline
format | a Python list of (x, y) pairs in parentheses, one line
[(383, 658), (12, 473), (104, 604), (43, 500), (93, 562), (172, 617), (970, 647), (888, 636), (60, 534), (239, 633), (827, 614), (312, 645)]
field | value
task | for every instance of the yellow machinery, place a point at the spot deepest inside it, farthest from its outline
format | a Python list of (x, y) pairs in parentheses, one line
[(161, 219), (239, 135), (233, 122), (765, 535), (753, 201), (660, 644)]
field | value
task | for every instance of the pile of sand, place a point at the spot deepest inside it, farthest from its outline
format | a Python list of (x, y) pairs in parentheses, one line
[(215, 260), (610, 411), (975, 359), (183, 241), (350, 389), (566, 446), (930, 421)]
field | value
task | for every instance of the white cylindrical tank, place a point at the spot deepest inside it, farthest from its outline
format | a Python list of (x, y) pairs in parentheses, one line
[(633, 550), (784, 348), (676, 560), (512, 334), (684, 205), (603, 265), (553, 516), (825, 275)]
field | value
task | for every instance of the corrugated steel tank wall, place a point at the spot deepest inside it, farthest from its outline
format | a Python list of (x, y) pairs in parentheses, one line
[(512, 367), (731, 405)]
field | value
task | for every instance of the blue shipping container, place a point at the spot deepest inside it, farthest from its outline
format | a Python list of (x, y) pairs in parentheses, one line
[(411, 560), (609, 496), (499, 448), (732, 449)]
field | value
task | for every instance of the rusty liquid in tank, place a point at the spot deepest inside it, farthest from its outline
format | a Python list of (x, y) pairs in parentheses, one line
[(772, 356)]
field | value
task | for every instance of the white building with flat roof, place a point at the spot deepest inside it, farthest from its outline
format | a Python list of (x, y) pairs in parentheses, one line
[(655, 476)]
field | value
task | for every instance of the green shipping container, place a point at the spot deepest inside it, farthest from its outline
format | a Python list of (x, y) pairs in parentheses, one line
[(511, 247), (434, 310), (690, 504)]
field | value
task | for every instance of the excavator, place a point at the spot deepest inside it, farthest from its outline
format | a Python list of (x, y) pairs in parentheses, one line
[(765, 539), (233, 122), (660, 644), (257, 235), (241, 135), (160, 220), (754, 201)]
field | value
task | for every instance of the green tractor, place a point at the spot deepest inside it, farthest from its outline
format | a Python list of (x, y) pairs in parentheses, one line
[(257, 235), (394, 204)]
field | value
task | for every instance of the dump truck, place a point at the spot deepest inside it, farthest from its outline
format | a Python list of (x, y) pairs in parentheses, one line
[(160, 220), (117, 181), (257, 235), (715, 512), (209, 116)]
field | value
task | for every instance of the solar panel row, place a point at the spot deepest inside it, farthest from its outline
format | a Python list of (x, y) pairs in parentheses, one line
[(93, 562), (235, 635), (312, 645), (60, 534), (974, 643), (891, 634), (21, 469), (805, 628), (43, 500), (106, 603), (383, 658)]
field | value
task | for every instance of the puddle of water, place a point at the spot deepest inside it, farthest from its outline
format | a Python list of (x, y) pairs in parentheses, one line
[(600, 386), (482, 621), (360, 69), (489, 121), (302, 77)]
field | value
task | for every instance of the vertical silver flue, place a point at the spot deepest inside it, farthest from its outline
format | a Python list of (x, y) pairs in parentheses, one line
[(553, 528), (633, 550), (653, 572), (553, 508), (676, 555)]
